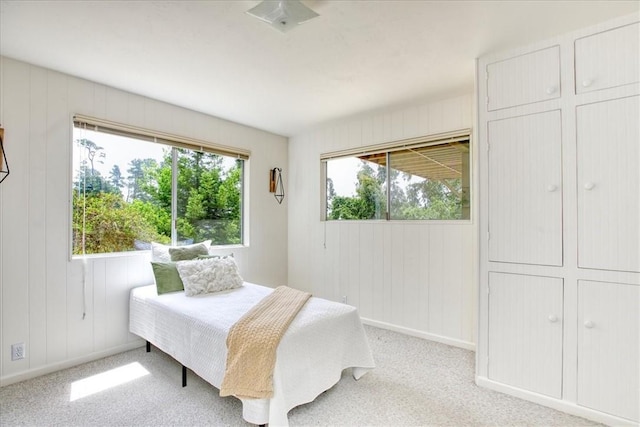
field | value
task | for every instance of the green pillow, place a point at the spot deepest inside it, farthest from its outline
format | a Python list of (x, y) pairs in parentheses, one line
[(187, 253), (167, 277)]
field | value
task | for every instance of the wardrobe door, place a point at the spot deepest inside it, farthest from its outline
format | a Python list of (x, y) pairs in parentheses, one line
[(525, 332), (525, 189), (524, 79), (608, 348), (608, 135), (608, 59)]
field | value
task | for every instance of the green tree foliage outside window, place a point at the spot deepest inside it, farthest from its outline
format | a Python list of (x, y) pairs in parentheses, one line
[(369, 201), (126, 211)]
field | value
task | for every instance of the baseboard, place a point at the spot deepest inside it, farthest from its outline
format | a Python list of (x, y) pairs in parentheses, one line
[(561, 405), (47, 369), (421, 334)]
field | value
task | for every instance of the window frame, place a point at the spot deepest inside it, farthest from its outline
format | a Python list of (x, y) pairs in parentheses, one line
[(395, 146), (170, 141)]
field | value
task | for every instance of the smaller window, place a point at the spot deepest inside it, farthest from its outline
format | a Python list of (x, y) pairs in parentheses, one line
[(427, 179)]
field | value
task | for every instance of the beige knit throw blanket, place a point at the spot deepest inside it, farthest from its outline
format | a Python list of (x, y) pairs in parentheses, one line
[(253, 340)]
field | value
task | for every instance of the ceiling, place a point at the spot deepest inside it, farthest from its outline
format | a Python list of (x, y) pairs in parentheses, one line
[(210, 56)]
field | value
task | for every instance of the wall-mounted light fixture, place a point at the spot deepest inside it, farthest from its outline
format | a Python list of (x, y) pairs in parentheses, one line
[(4, 165), (275, 184)]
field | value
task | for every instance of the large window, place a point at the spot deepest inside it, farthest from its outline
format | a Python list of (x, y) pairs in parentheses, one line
[(130, 190), (422, 179)]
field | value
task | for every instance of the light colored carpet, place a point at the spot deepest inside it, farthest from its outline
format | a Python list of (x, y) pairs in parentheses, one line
[(416, 383)]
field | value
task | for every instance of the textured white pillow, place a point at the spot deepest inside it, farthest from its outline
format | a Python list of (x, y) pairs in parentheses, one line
[(160, 252), (202, 276)]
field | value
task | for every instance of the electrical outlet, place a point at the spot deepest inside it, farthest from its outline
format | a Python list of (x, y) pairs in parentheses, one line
[(344, 299), (18, 351)]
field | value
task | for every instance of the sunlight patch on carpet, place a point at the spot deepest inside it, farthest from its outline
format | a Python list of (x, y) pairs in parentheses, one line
[(106, 380)]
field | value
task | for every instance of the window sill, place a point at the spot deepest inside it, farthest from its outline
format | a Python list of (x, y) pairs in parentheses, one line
[(399, 221), (220, 248)]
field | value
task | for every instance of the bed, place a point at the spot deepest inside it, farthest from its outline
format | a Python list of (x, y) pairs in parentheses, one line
[(324, 339)]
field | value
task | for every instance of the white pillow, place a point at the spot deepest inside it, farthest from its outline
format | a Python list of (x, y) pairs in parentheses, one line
[(160, 252), (202, 276)]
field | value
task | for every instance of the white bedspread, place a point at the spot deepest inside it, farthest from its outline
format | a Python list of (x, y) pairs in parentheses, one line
[(324, 338)]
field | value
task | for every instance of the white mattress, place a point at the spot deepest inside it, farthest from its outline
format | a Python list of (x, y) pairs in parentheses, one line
[(324, 338)]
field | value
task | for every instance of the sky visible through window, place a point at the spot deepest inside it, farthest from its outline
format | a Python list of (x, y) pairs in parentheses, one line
[(344, 174), (120, 150)]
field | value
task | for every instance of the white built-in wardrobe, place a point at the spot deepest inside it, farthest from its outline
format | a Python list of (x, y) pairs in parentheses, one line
[(559, 222)]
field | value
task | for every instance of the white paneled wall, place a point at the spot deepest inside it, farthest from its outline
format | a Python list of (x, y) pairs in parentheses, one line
[(417, 277), (41, 290)]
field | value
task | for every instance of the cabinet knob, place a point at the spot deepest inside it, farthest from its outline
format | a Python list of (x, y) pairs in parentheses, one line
[(589, 186), (586, 83), (589, 324), (552, 318), (551, 188), (551, 90)]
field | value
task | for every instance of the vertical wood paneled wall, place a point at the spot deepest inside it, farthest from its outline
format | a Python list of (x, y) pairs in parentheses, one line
[(41, 289), (413, 276)]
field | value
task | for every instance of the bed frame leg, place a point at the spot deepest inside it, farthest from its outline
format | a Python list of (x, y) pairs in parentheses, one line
[(148, 347), (184, 376)]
